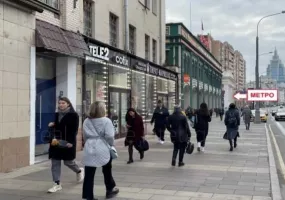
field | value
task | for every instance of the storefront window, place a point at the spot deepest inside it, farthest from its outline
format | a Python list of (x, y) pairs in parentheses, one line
[(162, 86), (119, 77), (138, 92), (96, 82), (171, 95), (151, 97)]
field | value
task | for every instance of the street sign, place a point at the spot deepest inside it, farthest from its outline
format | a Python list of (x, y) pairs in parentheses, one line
[(258, 95), (262, 95)]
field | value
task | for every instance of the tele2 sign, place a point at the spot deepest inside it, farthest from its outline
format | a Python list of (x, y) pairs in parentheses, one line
[(259, 95)]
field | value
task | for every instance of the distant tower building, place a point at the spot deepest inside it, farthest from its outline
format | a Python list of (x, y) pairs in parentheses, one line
[(275, 69)]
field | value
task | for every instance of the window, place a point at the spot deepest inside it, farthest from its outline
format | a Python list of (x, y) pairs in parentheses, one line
[(52, 3), (151, 96), (154, 7), (113, 25), (87, 17), (138, 92), (167, 30), (147, 3), (146, 45), (154, 58), (132, 39)]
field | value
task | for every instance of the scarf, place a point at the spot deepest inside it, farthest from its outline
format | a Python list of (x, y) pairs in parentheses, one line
[(62, 113)]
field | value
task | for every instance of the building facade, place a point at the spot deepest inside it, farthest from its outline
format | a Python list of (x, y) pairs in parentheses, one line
[(239, 71), (200, 77), (85, 51), (275, 69)]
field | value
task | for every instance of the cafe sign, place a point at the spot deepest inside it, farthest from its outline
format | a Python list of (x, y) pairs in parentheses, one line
[(198, 46)]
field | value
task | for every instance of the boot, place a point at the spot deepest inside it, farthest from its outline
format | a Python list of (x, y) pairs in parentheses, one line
[(141, 155)]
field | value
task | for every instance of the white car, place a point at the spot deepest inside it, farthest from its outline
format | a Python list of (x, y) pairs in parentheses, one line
[(280, 114)]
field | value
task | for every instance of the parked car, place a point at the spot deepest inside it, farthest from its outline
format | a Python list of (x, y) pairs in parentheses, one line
[(280, 114), (263, 116), (273, 112)]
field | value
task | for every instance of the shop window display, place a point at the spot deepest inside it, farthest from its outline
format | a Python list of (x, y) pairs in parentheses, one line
[(138, 92), (171, 95), (151, 97), (119, 77), (96, 83)]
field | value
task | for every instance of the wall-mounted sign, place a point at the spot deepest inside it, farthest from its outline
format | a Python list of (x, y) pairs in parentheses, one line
[(99, 52), (198, 46), (163, 73), (173, 77), (141, 66), (153, 70), (122, 60)]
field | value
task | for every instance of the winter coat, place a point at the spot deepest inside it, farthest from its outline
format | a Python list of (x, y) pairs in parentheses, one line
[(66, 130), (178, 127), (159, 118), (246, 114), (232, 132), (98, 135), (136, 129), (203, 122)]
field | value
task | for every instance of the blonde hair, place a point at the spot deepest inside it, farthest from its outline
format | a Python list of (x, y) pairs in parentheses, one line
[(97, 110)]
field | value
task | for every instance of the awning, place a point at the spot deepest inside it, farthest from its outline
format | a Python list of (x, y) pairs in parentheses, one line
[(59, 40)]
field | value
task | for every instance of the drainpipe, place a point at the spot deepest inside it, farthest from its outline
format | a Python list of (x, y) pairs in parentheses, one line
[(160, 33), (126, 25)]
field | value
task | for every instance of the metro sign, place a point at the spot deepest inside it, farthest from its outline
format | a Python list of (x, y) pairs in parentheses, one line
[(258, 95)]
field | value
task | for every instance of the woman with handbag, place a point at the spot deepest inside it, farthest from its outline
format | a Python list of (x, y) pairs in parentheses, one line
[(99, 136), (180, 134), (201, 126), (135, 133), (63, 142)]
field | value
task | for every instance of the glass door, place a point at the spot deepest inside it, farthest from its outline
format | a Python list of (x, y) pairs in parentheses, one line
[(119, 104)]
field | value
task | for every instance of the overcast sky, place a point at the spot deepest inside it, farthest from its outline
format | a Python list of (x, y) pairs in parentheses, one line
[(235, 21)]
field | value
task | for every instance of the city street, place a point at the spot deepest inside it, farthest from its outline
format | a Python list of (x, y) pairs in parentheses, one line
[(278, 130), (216, 174)]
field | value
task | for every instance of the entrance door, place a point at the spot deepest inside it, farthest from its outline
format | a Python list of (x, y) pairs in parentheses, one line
[(164, 99), (45, 101), (119, 104)]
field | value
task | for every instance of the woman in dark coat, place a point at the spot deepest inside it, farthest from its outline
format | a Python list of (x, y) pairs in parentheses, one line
[(201, 126), (135, 132), (63, 142), (232, 122)]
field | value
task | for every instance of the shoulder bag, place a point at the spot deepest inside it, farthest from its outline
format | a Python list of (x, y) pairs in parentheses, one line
[(113, 151)]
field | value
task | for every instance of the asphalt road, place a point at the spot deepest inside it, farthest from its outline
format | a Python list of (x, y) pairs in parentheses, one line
[(278, 130)]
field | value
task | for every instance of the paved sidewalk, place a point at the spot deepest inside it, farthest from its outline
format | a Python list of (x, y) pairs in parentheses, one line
[(216, 174)]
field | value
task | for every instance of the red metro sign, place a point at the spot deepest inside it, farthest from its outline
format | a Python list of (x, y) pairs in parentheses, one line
[(259, 95)]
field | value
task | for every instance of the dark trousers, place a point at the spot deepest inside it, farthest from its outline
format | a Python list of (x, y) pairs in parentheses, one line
[(160, 132), (179, 147), (88, 184), (221, 117), (131, 150), (235, 141), (201, 137), (247, 125)]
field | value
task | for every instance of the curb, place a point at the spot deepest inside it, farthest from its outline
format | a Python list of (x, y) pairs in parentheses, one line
[(275, 186)]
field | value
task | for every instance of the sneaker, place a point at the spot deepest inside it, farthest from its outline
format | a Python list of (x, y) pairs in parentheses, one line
[(80, 176), (112, 193), (203, 149), (55, 188), (181, 164), (161, 142)]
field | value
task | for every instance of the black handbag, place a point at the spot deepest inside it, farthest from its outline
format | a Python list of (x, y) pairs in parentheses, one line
[(142, 145), (189, 148)]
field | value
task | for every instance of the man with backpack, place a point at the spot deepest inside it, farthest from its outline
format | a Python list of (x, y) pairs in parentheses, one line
[(232, 122)]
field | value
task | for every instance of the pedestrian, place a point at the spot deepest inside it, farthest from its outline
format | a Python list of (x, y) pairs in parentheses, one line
[(99, 136), (211, 112), (232, 122), (63, 142), (180, 134), (221, 113), (246, 114), (201, 126), (135, 133), (159, 118)]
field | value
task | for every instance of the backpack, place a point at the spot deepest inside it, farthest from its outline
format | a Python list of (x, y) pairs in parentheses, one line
[(232, 120)]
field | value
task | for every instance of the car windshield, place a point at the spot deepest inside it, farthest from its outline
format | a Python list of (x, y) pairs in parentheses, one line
[(281, 110)]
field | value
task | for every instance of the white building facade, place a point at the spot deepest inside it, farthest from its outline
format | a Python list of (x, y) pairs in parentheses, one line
[(229, 86)]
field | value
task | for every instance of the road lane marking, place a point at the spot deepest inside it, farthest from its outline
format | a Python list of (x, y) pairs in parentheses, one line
[(278, 152)]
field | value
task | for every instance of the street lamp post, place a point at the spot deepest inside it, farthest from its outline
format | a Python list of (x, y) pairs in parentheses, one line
[(257, 106)]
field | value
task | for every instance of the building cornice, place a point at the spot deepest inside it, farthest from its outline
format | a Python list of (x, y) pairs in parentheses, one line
[(27, 5)]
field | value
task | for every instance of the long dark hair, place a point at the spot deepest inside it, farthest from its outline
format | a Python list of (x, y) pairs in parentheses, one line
[(65, 99), (204, 109)]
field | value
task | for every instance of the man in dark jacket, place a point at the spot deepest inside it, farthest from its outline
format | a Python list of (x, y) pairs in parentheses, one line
[(180, 134), (159, 118), (232, 122)]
